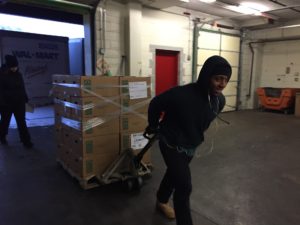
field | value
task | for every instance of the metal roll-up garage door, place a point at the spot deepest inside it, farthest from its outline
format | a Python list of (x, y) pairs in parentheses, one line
[(227, 46)]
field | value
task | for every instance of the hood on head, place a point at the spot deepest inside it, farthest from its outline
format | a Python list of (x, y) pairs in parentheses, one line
[(214, 65), (11, 61)]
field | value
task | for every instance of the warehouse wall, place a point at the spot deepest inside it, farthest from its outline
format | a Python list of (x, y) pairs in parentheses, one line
[(114, 49), (162, 30), (156, 29), (275, 64), (125, 37)]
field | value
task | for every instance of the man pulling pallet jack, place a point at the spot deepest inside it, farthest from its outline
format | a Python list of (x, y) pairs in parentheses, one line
[(188, 112)]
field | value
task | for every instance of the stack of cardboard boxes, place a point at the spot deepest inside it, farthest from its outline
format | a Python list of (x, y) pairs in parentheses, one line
[(96, 118), (135, 96)]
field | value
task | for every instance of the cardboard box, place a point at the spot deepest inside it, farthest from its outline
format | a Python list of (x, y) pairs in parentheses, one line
[(136, 142), (136, 105), (135, 86), (63, 154), (95, 126), (58, 91), (57, 119), (72, 85), (58, 135), (297, 104), (60, 78), (88, 156), (94, 86), (133, 122), (135, 94), (86, 107), (84, 147), (91, 166), (62, 134), (62, 110)]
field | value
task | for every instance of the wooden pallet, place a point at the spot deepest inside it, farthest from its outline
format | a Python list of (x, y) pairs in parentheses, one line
[(95, 181), (86, 183)]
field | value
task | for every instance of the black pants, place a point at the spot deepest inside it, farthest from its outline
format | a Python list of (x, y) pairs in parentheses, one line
[(177, 179), (19, 113)]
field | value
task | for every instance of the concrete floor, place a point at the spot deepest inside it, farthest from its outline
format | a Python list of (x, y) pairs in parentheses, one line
[(42, 116), (251, 177)]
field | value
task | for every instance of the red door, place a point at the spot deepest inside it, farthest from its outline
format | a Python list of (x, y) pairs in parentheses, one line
[(166, 70)]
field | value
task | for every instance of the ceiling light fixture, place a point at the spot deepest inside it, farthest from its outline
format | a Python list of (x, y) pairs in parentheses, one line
[(255, 6), (207, 1), (243, 10), (291, 26), (249, 8), (184, 0)]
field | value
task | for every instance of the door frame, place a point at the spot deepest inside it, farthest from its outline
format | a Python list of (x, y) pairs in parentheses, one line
[(181, 56)]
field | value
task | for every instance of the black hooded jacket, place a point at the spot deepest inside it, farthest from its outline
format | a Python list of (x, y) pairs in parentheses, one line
[(12, 89), (189, 109)]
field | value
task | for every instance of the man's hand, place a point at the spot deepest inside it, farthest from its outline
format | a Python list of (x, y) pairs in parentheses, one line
[(150, 132)]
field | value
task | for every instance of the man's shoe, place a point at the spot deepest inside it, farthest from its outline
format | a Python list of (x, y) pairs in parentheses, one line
[(166, 209), (3, 141), (28, 144)]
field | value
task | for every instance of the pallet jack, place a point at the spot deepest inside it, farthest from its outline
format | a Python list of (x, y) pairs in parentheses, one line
[(129, 167)]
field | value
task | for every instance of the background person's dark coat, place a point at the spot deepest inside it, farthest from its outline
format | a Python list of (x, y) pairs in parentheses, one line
[(12, 89)]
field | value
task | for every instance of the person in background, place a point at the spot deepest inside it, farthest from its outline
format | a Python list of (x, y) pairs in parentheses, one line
[(187, 112), (13, 98)]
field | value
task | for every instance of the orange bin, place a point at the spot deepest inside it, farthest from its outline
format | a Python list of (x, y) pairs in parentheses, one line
[(282, 99)]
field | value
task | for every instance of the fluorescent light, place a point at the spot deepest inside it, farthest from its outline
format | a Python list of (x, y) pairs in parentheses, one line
[(255, 6), (243, 10), (40, 26), (207, 1), (249, 8), (291, 26), (184, 0)]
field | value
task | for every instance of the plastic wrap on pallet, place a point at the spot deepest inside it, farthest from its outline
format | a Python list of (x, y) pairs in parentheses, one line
[(68, 104), (85, 107), (133, 109), (83, 126), (127, 109), (132, 99), (93, 109), (135, 90)]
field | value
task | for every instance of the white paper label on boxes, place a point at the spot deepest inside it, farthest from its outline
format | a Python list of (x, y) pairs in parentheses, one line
[(138, 141), (137, 90)]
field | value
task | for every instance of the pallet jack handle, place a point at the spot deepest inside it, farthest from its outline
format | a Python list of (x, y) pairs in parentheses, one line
[(151, 140)]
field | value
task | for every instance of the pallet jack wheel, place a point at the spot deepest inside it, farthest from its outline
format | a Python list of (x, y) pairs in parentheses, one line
[(138, 182), (129, 184), (133, 184)]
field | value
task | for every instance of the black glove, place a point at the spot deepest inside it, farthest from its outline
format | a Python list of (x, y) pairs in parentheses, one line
[(151, 130)]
